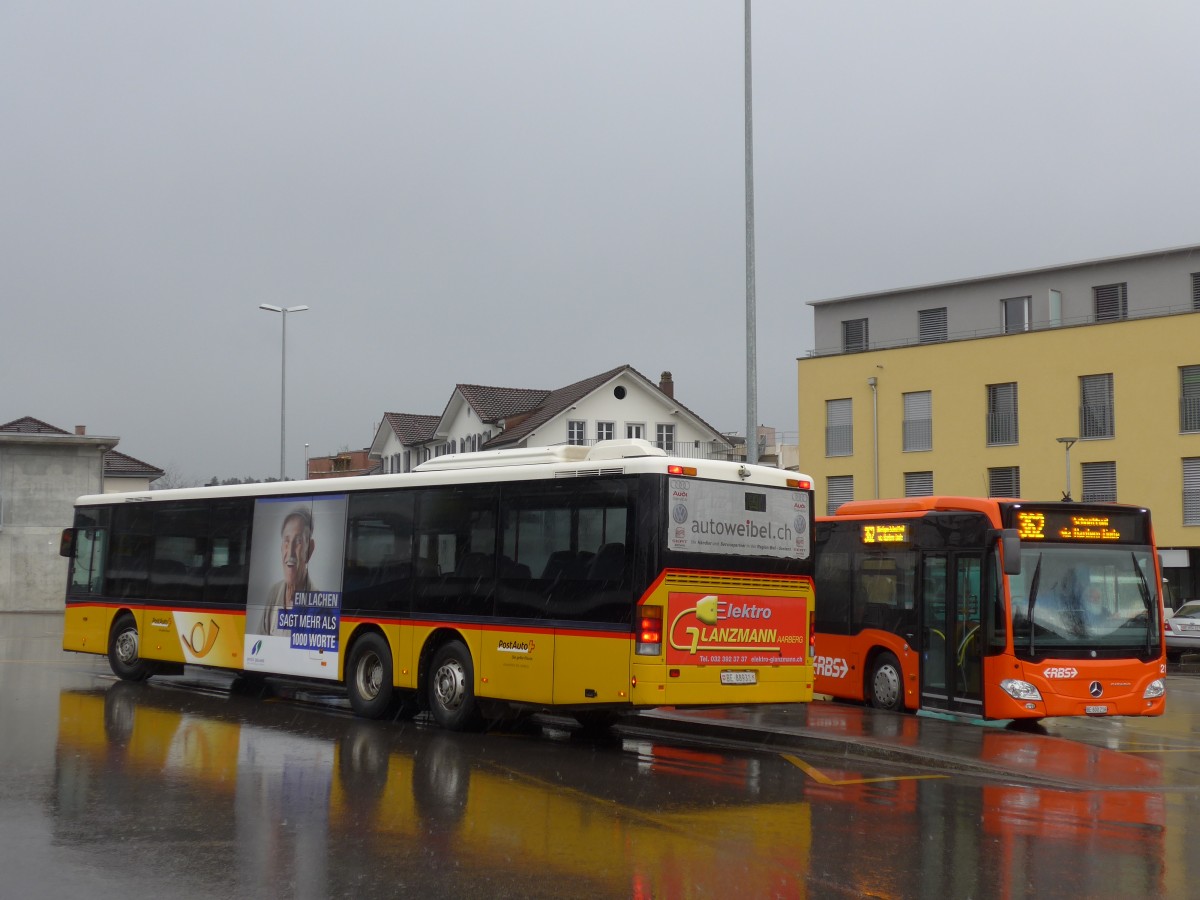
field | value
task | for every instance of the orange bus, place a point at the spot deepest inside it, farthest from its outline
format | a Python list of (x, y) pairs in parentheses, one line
[(586, 580), (988, 608)]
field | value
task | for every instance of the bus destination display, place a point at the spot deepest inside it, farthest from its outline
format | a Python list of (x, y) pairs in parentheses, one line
[(1092, 526), (885, 533)]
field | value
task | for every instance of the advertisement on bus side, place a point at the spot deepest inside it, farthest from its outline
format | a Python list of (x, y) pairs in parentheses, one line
[(294, 605)]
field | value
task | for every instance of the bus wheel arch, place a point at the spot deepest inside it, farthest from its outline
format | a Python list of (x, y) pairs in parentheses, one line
[(884, 688), (369, 675), (124, 657), (449, 682)]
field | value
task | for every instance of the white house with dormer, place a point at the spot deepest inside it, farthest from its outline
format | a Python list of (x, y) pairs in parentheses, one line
[(617, 404)]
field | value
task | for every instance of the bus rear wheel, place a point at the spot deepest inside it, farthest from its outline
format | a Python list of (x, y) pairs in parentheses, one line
[(123, 655), (451, 688), (885, 688), (369, 677)]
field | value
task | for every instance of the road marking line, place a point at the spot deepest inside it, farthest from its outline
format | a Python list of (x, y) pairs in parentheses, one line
[(817, 776)]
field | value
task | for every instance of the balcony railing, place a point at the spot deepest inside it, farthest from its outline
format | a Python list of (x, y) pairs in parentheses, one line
[(1151, 313)]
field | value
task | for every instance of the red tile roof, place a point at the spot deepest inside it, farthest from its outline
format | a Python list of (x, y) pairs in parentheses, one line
[(30, 425), (412, 428)]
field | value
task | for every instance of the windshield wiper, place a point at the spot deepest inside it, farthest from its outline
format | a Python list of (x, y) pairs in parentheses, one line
[(1144, 588), (1033, 587)]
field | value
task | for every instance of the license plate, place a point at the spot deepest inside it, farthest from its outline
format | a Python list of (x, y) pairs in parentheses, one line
[(739, 678), (1096, 710)]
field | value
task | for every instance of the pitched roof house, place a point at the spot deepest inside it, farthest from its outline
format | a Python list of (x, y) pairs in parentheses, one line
[(619, 403)]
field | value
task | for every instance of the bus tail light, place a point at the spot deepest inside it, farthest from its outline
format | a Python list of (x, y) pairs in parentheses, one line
[(802, 484), (812, 635), (649, 639), (690, 471)]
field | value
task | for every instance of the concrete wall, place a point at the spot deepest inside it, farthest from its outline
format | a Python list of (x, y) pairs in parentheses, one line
[(40, 477)]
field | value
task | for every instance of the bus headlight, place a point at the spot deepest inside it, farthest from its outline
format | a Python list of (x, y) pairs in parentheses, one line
[(1155, 689), (1020, 690)]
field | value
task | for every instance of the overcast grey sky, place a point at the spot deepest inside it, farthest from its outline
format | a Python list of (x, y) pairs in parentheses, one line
[(526, 194)]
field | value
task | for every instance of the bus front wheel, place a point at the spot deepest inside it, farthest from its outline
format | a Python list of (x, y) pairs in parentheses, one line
[(885, 689), (123, 654), (451, 688), (369, 677)]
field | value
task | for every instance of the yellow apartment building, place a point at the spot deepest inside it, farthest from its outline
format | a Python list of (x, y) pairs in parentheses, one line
[(1082, 379)]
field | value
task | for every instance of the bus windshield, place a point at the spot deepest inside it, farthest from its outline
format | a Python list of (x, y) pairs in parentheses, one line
[(1084, 598)]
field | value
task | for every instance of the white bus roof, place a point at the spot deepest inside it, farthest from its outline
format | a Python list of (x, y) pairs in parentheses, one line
[(522, 464)]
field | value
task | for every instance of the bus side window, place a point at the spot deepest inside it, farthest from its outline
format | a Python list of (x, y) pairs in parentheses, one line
[(455, 529), (227, 578), (131, 551), (379, 540)]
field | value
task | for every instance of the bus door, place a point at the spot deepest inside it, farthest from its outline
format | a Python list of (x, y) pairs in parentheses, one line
[(951, 641)]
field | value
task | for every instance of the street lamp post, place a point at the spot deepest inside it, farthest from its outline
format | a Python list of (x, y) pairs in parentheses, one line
[(283, 311), (1068, 442)]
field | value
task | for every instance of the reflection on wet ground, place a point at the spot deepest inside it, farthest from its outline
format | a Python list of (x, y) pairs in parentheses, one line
[(184, 788)]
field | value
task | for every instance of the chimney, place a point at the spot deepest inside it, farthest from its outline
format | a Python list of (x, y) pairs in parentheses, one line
[(666, 385), (81, 429)]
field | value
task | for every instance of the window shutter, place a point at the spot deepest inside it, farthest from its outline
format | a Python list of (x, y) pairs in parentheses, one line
[(1196, 290), (1096, 406), (1112, 302), (1191, 491), (854, 335), (1004, 482), (839, 428), (932, 325), (1002, 414), (839, 489), (1189, 398), (1099, 482), (918, 484), (918, 420)]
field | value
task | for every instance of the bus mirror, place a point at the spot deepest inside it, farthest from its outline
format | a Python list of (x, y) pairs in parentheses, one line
[(66, 543), (1010, 543)]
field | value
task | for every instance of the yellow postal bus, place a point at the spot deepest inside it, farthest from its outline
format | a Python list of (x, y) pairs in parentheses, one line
[(585, 580)]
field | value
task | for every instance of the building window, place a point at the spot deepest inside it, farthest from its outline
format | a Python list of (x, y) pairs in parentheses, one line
[(1189, 398), (576, 432), (854, 335), (1096, 406), (1112, 302), (635, 430), (918, 484), (605, 430), (839, 489), (1004, 481), (839, 428), (664, 437), (1002, 414), (932, 325), (918, 421), (1196, 290), (1099, 482), (1015, 313), (1191, 491)]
